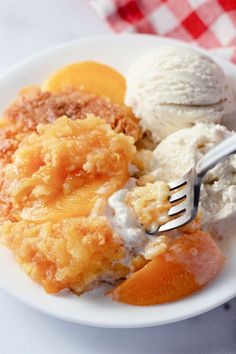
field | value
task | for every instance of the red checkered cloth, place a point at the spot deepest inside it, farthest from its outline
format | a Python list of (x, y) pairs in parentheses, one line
[(207, 23)]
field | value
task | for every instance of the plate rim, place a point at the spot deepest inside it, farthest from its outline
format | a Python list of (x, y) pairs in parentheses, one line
[(112, 325), (91, 38), (98, 323)]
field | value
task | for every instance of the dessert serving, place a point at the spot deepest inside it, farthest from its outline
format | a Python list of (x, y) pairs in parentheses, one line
[(85, 163)]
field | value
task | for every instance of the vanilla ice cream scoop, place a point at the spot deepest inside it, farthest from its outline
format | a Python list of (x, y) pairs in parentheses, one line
[(181, 150), (176, 154), (170, 88), (218, 199)]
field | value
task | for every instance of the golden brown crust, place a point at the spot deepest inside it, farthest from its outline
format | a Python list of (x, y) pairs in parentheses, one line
[(34, 107), (10, 137)]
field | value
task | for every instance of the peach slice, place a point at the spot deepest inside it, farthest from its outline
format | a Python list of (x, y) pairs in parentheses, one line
[(92, 77), (79, 203), (190, 263)]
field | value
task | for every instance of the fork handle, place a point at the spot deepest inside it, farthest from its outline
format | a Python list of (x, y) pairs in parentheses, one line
[(219, 152)]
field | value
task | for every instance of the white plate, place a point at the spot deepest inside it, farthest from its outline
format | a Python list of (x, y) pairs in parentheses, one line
[(94, 308)]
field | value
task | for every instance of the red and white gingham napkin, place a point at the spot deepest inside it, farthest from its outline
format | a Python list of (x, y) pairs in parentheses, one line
[(207, 23)]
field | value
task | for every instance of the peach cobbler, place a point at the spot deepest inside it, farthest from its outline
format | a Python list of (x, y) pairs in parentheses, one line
[(77, 195)]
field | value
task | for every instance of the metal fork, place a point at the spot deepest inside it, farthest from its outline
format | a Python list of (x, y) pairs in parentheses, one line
[(187, 198)]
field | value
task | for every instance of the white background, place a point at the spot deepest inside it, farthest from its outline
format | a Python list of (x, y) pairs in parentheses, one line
[(26, 27)]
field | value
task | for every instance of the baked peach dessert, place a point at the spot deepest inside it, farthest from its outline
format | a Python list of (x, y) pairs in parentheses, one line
[(66, 169), (57, 186), (76, 253), (74, 91), (77, 197)]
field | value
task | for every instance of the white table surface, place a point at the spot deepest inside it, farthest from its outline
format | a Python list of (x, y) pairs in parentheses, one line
[(26, 27)]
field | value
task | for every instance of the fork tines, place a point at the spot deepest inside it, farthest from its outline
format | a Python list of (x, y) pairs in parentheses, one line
[(182, 189)]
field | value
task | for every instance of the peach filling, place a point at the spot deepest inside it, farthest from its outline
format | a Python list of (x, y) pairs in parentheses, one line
[(66, 170)]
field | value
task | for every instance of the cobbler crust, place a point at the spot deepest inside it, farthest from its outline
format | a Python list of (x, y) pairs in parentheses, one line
[(33, 107)]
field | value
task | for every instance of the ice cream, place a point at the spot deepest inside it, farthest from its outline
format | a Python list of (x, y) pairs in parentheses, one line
[(170, 88), (123, 220), (176, 154), (218, 198)]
